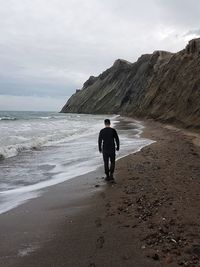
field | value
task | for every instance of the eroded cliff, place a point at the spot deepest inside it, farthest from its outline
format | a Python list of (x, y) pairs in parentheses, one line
[(162, 85)]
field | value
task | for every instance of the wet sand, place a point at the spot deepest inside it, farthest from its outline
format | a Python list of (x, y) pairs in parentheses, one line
[(150, 217)]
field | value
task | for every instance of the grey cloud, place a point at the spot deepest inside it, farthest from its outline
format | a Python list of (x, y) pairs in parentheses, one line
[(195, 32), (52, 47), (17, 88), (9, 102), (181, 14)]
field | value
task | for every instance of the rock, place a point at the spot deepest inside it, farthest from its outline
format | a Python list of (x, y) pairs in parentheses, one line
[(161, 85), (126, 225), (151, 253), (173, 240), (155, 257), (193, 46), (196, 250), (89, 82), (169, 259), (126, 257), (134, 225), (2, 157)]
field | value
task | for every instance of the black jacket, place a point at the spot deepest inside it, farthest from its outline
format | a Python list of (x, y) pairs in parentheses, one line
[(109, 137)]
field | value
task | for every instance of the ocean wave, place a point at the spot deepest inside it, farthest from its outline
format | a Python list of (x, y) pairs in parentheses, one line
[(45, 118), (8, 118), (35, 135), (38, 142), (13, 150), (2, 157), (51, 117)]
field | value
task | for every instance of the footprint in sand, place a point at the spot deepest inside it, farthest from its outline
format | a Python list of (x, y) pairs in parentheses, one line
[(100, 242), (98, 222), (103, 195)]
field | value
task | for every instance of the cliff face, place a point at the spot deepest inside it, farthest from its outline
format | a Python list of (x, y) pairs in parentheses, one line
[(161, 85)]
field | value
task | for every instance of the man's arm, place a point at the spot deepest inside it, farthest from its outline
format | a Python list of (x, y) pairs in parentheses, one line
[(100, 142), (116, 139)]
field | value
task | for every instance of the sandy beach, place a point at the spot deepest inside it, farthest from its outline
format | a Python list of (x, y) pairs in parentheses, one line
[(150, 217)]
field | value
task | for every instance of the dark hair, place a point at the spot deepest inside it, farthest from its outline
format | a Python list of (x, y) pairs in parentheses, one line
[(107, 122)]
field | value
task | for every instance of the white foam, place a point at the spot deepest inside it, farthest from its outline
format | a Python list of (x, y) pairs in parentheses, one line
[(27, 250), (15, 197), (11, 201), (45, 118), (47, 140), (7, 118), (73, 166)]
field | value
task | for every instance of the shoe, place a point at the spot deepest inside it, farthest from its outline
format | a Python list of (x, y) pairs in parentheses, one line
[(107, 178), (111, 177), (112, 180)]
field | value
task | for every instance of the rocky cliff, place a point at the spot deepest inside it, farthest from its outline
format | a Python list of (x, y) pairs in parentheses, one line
[(162, 85)]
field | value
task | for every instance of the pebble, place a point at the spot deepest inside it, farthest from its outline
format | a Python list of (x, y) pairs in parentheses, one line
[(155, 257), (169, 259)]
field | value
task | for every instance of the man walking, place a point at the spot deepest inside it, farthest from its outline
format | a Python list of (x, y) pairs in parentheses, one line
[(109, 137)]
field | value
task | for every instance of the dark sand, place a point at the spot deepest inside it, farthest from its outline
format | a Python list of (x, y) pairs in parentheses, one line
[(150, 217)]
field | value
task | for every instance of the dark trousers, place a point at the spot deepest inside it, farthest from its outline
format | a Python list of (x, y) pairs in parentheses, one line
[(109, 156)]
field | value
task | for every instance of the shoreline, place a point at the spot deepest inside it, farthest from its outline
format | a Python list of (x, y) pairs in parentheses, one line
[(149, 218), (20, 195)]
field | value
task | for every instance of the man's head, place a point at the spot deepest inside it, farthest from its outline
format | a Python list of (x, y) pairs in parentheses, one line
[(107, 122)]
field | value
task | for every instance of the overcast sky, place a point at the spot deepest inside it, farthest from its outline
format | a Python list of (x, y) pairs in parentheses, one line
[(48, 48)]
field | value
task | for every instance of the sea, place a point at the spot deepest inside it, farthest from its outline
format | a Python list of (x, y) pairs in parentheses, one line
[(42, 149)]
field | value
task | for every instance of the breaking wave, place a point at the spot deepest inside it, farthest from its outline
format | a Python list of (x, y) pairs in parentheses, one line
[(37, 142), (8, 118)]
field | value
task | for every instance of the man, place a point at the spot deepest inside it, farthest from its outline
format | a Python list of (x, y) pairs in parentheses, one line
[(109, 137)]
